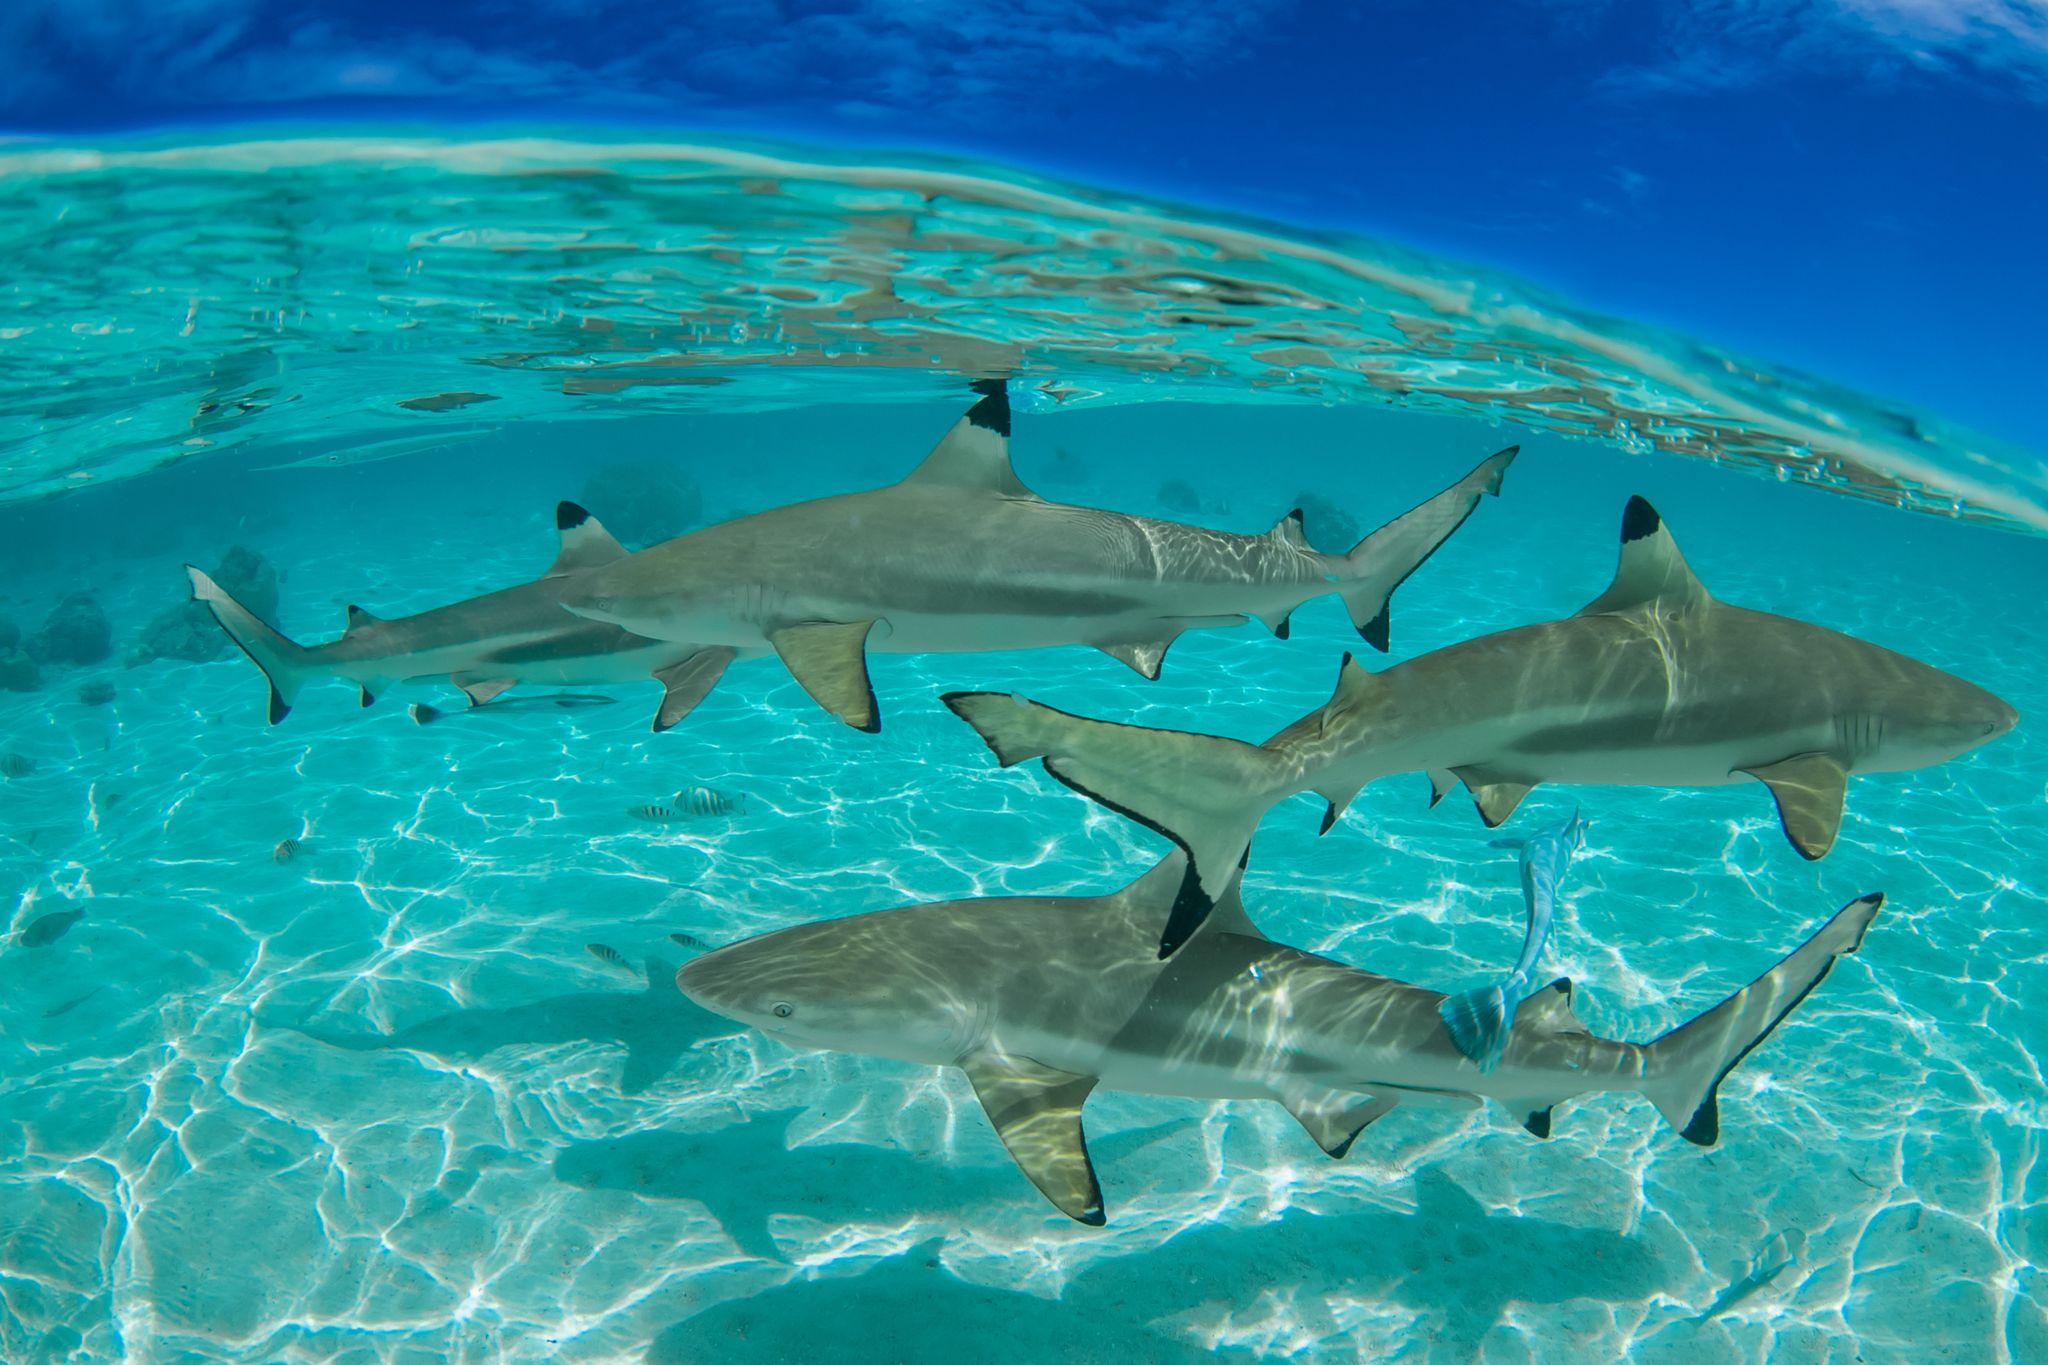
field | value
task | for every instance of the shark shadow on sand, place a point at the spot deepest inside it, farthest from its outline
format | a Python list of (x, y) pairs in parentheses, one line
[(1458, 1265), (744, 1174), (655, 1025)]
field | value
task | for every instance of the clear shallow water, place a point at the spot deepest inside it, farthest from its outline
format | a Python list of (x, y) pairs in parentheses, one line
[(378, 1102)]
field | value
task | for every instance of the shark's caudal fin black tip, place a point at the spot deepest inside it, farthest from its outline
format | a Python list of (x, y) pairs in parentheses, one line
[(1705, 1128), (1191, 905), (993, 411), (1639, 520), (1687, 1065), (279, 707), (569, 516), (369, 699), (1377, 632)]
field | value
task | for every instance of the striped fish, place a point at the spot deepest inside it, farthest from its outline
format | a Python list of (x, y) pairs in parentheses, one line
[(707, 801), (609, 955), (286, 850)]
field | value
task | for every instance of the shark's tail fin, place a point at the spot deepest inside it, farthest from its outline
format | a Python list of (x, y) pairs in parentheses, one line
[(1204, 793), (1383, 560), (1684, 1068), (1478, 1023), (287, 666)]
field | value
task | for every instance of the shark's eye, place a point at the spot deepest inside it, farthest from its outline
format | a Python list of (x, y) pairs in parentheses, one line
[(783, 1009)]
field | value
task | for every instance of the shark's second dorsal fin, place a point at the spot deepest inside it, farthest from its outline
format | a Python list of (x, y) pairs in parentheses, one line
[(585, 542), (1651, 570), (975, 454), (1550, 1010)]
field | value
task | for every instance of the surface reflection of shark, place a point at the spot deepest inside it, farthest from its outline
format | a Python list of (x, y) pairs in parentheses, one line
[(1445, 1262), (743, 1174), (655, 1026), (1041, 1000)]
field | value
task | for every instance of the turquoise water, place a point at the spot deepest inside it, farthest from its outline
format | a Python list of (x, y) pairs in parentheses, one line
[(377, 1101)]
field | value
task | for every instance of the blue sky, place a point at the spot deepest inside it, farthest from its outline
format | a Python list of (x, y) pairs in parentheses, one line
[(1856, 187)]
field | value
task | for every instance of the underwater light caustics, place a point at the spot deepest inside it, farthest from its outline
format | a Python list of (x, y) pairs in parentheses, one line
[(1042, 1001), (1655, 683), (319, 301), (961, 556)]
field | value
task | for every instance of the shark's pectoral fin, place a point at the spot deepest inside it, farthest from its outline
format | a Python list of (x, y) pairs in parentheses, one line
[(481, 690), (1440, 784), (1809, 789), (829, 660), (1146, 657), (585, 543), (1496, 800), (1335, 1118), (688, 683), (1036, 1111)]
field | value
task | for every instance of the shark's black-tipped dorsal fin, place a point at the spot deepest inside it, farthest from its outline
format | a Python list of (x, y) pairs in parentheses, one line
[(585, 542), (1354, 681), (1288, 531), (358, 618), (1166, 887), (1651, 569), (1036, 1110), (975, 454)]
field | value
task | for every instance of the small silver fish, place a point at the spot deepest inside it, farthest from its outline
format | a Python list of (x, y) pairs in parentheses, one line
[(286, 850), (47, 929), (707, 801), (609, 955), (690, 941), (16, 765)]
